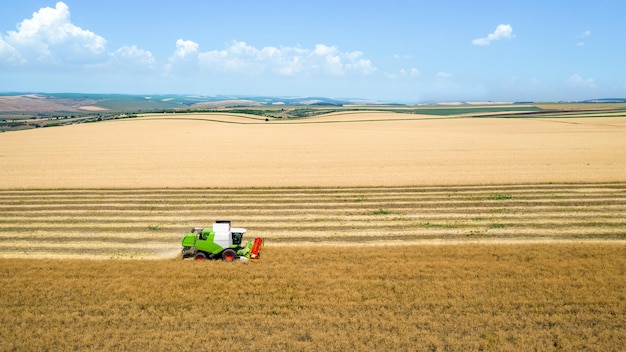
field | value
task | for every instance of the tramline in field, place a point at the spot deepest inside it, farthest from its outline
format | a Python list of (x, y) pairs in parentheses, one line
[(220, 242)]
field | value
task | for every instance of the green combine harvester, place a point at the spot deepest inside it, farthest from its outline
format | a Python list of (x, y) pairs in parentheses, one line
[(220, 242)]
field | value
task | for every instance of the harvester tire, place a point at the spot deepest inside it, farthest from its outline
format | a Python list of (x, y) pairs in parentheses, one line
[(199, 256), (229, 255)]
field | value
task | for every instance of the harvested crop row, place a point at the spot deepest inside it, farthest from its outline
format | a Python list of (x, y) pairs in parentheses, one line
[(145, 222)]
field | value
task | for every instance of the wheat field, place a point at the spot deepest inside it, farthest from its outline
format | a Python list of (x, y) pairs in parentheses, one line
[(384, 149), (538, 297), (382, 232)]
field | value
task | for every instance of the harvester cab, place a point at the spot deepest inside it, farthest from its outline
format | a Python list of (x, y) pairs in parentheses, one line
[(219, 242)]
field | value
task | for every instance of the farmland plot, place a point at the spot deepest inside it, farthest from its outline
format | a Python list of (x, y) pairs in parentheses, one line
[(148, 223), (544, 297), (131, 188), (340, 150), (427, 233)]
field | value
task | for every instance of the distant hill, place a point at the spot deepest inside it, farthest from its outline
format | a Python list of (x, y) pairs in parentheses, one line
[(34, 110), (68, 103), (80, 102)]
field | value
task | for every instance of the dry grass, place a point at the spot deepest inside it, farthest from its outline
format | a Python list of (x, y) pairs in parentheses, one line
[(203, 151), (458, 298)]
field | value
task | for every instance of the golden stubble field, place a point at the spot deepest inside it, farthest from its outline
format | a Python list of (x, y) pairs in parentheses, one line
[(482, 234), (204, 151), (549, 297)]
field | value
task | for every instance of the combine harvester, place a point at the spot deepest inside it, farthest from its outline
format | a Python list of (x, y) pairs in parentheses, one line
[(220, 242)]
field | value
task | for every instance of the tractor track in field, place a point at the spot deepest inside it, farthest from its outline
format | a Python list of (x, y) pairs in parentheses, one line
[(145, 223)]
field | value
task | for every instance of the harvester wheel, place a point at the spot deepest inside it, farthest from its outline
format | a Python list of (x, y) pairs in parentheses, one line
[(199, 256), (229, 255)]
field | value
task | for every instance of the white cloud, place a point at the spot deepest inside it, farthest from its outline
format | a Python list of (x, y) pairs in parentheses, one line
[(576, 80), (185, 48), (9, 54), (134, 55), (503, 31), (286, 61), (326, 58), (184, 60), (356, 64), (444, 74), (50, 37), (240, 57)]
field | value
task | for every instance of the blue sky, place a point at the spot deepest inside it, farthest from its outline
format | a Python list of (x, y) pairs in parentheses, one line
[(400, 51)]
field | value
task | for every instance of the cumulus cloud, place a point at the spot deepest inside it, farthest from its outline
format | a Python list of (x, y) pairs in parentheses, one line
[(133, 55), (184, 60), (240, 57), (503, 31), (185, 48), (50, 37), (576, 80), (8, 54)]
